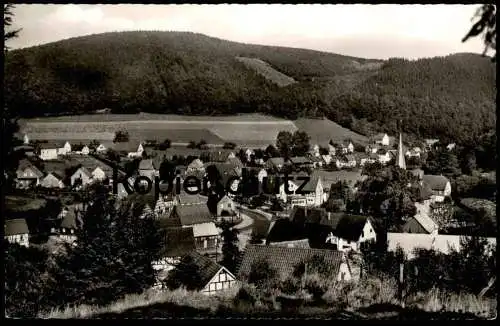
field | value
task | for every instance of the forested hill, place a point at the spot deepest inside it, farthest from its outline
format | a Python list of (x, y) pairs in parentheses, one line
[(188, 73)]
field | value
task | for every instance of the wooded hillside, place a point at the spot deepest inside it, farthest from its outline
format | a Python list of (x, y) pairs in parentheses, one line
[(186, 73)]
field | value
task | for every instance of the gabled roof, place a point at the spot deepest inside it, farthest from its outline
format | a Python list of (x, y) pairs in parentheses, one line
[(130, 146), (146, 164), (426, 222), (15, 226), (25, 164), (286, 230), (206, 229), (51, 145), (331, 177), (57, 175), (311, 184), (186, 199), (83, 170), (284, 260), (206, 267), (436, 182), (179, 241), (349, 227), (193, 214)]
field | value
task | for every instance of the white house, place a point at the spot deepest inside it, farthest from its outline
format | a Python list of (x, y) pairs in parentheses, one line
[(16, 231), (226, 207), (48, 151), (83, 175), (101, 148), (52, 180), (98, 174), (327, 158), (439, 185), (349, 232), (66, 149), (315, 150), (383, 156), (261, 175), (28, 175), (382, 139)]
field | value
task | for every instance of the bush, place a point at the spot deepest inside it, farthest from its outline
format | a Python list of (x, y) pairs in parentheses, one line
[(121, 136), (262, 275)]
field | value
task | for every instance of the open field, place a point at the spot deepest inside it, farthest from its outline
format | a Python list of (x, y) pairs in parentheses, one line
[(251, 130), (266, 70)]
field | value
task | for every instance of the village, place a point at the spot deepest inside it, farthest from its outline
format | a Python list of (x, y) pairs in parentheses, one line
[(284, 226)]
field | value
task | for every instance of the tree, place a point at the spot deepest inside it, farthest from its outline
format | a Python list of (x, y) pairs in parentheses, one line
[(7, 22), (25, 280), (230, 250), (262, 274), (167, 171), (284, 143), (300, 143), (113, 255), (191, 144), (229, 145), (487, 26), (165, 145), (202, 144), (468, 163), (185, 274), (442, 162), (121, 136), (10, 117), (272, 151)]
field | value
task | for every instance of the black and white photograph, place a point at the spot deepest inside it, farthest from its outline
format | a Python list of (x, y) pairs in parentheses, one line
[(249, 161)]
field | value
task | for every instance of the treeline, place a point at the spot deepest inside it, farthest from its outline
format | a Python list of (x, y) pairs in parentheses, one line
[(452, 97)]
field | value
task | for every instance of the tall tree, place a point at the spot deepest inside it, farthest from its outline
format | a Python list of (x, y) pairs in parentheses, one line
[(7, 23), (284, 143), (486, 26), (301, 144), (230, 250), (113, 255)]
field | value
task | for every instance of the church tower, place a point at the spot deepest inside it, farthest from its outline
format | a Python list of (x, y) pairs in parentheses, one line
[(401, 156)]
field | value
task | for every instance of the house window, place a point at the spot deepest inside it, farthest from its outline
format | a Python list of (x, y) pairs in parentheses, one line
[(222, 277), (219, 286), (211, 287)]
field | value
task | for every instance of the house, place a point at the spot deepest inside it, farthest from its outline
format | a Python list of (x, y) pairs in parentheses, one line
[(226, 207), (71, 219), (213, 277), (81, 149), (421, 222), (195, 166), (16, 231), (317, 161), (451, 146), (52, 180), (384, 156), (431, 143), (381, 138), (147, 169), (332, 177), (331, 149), (248, 153), (103, 147), (178, 242), (349, 232), (311, 195), (439, 185), (27, 174), (229, 175), (346, 161), (414, 152), (200, 219), (48, 151), (315, 150), (100, 174), (131, 148), (81, 175), (65, 149), (408, 242), (364, 158), (285, 260), (372, 148)]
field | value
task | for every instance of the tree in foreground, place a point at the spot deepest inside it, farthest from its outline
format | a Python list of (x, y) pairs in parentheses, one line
[(485, 26), (230, 250), (185, 274), (112, 255)]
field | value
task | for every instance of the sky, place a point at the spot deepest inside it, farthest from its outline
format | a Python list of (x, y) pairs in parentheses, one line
[(368, 31)]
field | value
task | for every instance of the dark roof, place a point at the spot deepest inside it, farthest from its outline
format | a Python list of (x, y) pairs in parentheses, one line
[(179, 241), (286, 230), (206, 266), (284, 260), (311, 184), (435, 182), (15, 226), (169, 222), (25, 164), (349, 227), (193, 214), (130, 146)]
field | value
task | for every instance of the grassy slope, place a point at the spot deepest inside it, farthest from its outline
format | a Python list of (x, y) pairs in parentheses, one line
[(267, 71), (321, 131)]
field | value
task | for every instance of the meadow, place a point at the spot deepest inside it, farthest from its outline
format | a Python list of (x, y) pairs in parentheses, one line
[(245, 130)]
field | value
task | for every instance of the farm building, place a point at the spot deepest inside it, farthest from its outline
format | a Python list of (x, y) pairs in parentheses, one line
[(226, 207), (212, 278), (349, 232), (16, 231), (28, 174), (81, 176), (439, 185), (48, 151), (285, 261), (421, 222)]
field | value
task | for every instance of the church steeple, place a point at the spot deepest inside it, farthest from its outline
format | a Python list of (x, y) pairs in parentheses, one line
[(401, 156)]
